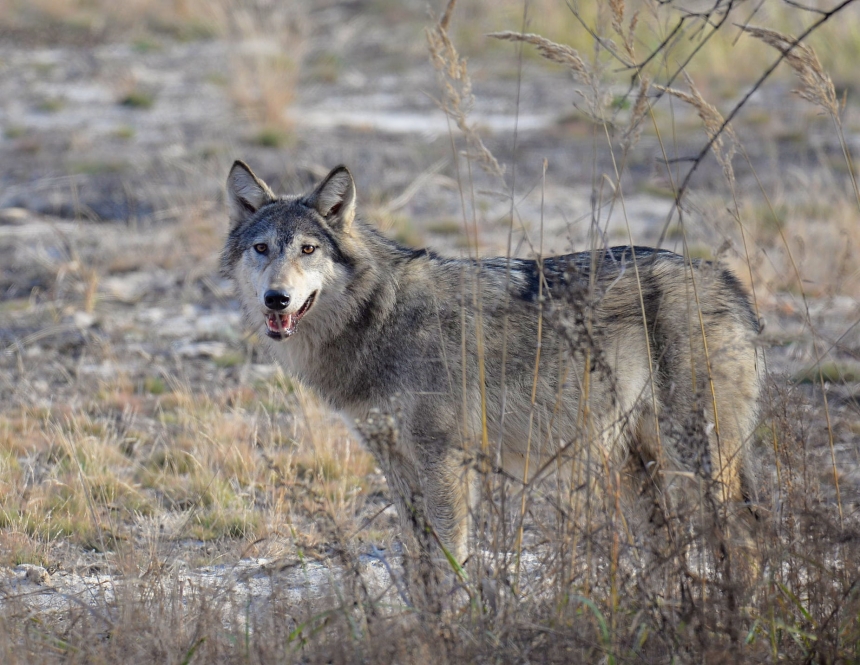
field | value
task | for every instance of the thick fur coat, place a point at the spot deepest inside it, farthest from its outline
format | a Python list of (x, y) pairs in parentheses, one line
[(622, 356)]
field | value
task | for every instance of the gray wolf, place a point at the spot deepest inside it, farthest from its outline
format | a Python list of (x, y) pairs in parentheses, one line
[(619, 356)]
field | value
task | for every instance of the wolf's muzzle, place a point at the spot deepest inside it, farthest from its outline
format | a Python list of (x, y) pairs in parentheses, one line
[(276, 300)]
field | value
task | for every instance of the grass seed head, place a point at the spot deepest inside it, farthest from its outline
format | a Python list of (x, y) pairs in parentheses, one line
[(640, 110), (558, 53), (713, 121), (458, 100), (815, 84)]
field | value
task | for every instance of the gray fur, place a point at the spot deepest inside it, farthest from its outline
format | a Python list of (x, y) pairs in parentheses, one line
[(388, 326)]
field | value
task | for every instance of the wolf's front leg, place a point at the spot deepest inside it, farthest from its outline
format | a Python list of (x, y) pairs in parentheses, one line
[(432, 503), (446, 481), (427, 476)]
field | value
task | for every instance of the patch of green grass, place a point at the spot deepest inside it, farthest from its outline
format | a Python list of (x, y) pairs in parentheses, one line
[(9, 464), (50, 105), (154, 385), (675, 232), (758, 118), (404, 231), (815, 209), (210, 152), (282, 382), (93, 168), (703, 252), (15, 305), (146, 45), (791, 135), (272, 406), (218, 78), (185, 29), (110, 492), (272, 137), (657, 189), (138, 99), (763, 434), (831, 372), (446, 227), (216, 492), (31, 556), (126, 132), (327, 67), (770, 220), (14, 132), (218, 523), (167, 418), (620, 102), (44, 68), (173, 460), (229, 359), (62, 512), (576, 123)]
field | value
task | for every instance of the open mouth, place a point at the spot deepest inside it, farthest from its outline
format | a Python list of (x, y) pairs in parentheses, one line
[(281, 326)]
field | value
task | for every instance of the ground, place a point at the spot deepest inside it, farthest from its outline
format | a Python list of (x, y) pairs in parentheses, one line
[(144, 432)]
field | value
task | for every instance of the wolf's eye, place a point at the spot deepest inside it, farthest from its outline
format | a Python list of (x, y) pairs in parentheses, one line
[(261, 248), (308, 249)]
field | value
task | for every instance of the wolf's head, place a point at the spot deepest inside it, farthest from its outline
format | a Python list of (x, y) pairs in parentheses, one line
[(285, 254)]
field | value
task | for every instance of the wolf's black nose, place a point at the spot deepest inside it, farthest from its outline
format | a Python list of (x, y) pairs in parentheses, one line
[(277, 300)]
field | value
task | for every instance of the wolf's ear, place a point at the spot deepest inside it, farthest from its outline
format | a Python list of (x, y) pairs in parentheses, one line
[(334, 198), (246, 193)]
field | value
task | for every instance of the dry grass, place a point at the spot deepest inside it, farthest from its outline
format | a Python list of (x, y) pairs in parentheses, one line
[(270, 44), (221, 463), (150, 465), (183, 19), (816, 85), (713, 122), (822, 237), (456, 84)]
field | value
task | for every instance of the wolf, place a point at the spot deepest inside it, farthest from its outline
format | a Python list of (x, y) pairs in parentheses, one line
[(616, 356)]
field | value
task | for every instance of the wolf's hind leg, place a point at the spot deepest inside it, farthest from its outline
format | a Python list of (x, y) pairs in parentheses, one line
[(646, 490), (733, 394)]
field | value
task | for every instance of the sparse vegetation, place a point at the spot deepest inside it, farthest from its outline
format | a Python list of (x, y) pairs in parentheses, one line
[(14, 132), (272, 137), (50, 105), (138, 99), (125, 133), (446, 227), (210, 510)]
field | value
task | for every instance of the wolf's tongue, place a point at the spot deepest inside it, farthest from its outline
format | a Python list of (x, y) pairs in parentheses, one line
[(282, 323)]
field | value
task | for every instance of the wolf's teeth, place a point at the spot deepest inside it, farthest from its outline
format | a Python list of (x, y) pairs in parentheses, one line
[(284, 324)]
